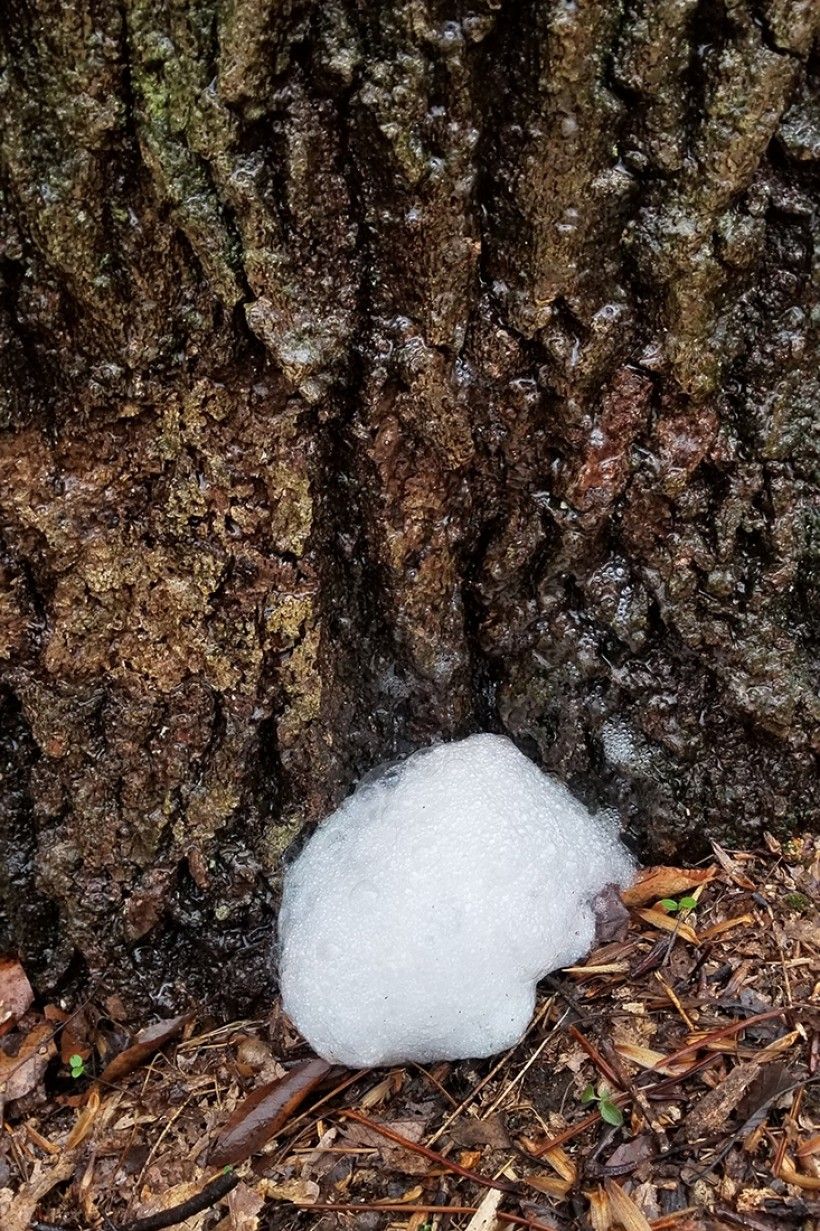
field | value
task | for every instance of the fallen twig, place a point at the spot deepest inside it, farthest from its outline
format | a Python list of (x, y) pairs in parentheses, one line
[(210, 1194), (434, 1157)]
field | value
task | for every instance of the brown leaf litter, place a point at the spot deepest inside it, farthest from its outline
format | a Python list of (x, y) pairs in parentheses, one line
[(698, 1026)]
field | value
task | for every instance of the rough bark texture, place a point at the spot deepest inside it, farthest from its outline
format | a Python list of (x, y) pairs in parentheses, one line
[(377, 371)]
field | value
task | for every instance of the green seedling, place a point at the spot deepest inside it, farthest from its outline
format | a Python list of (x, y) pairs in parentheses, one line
[(608, 1111), (670, 905), (76, 1066)]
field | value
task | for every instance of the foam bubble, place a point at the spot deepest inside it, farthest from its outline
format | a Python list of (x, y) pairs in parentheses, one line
[(420, 915)]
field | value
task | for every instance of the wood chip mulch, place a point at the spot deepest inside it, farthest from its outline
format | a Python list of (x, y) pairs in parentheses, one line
[(671, 1082)]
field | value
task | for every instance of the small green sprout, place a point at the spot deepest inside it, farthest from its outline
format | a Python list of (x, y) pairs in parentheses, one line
[(670, 905), (76, 1066), (609, 1111)]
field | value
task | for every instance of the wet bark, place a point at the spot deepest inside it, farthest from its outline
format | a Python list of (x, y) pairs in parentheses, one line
[(374, 373)]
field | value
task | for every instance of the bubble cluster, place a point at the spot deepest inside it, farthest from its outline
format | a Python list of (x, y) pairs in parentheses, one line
[(420, 915)]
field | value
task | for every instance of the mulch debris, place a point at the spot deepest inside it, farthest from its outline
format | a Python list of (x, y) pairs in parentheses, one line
[(670, 1082)]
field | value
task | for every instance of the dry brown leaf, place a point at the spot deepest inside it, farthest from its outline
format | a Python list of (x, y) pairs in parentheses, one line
[(725, 925), (732, 868), (244, 1207), (467, 1131), (301, 1192), (393, 1155), (600, 1213), (669, 923), (265, 1112), (381, 1091), (647, 1058), (73, 1038), (662, 882), (84, 1121), (561, 1162), (16, 995), (779, 1046), (630, 1154), (146, 1044), (624, 1209), (20, 1074), (469, 1159), (553, 1185), (177, 1194), (807, 1148), (39, 1140)]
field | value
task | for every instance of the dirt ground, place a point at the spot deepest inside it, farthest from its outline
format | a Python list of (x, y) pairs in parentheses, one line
[(670, 1082)]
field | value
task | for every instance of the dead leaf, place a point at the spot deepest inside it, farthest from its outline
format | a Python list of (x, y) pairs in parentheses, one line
[(168, 1198), (383, 1090), (647, 1058), (244, 1207), (468, 1132), (393, 1156), (74, 1037), (624, 1209), (146, 1044), (767, 1086), (662, 882), (600, 1213), (731, 868), (265, 1112), (16, 995), (84, 1121), (605, 968), (407, 1198), (20, 1074), (629, 1155), (300, 1192), (550, 1184), (724, 926), (611, 916), (561, 1162), (669, 923)]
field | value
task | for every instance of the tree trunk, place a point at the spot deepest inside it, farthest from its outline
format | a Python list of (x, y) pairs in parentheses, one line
[(373, 373)]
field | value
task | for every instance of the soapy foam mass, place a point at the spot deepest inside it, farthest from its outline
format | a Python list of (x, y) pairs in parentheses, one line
[(420, 915)]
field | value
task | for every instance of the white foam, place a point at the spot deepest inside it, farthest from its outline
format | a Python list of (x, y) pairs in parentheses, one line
[(420, 915), (620, 746)]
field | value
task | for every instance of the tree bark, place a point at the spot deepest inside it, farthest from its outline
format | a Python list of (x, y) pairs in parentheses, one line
[(376, 372)]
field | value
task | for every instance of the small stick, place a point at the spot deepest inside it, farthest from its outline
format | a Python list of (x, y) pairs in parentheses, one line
[(499, 1065), (502, 1096), (575, 1130), (712, 1036), (445, 1094), (210, 1194), (427, 1153), (596, 1058)]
